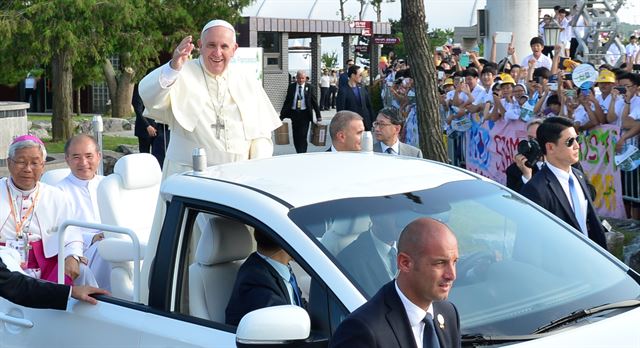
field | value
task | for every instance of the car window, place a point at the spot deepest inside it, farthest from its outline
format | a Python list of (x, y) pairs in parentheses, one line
[(214, 248), (515, 260)]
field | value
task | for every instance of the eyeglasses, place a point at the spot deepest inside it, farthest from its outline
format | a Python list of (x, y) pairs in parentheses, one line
[(569, 142), (381, 125), (24, 164)]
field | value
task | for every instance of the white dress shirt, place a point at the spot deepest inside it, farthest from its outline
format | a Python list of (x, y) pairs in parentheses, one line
[(416, 315), (563, 178)]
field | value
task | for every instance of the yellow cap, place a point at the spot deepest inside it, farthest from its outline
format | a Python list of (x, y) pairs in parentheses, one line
[(383, 59), (448, 81), (506, 78), (569, 65), (606, 76)]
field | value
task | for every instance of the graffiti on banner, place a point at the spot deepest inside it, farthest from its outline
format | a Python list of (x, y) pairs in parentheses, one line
[(492, 146), (597, 150)]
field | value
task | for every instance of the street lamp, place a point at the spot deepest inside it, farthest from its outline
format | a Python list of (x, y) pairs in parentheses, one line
[(551, 33)]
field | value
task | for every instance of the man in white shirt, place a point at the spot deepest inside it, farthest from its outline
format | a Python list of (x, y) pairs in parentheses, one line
[(210, 103), (386, 130), (411, 310), (536, 57), (81, 186), (632, 49)]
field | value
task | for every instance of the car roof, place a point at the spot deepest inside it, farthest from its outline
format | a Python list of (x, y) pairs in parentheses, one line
[(304, 179)]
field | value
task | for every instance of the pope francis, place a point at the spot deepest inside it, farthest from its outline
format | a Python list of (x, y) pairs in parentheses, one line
[(209, 103)]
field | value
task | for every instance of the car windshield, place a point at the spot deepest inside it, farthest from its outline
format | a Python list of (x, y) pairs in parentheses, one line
[(518, 268)]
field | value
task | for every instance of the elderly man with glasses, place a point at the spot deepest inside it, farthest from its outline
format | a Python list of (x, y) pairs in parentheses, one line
[(30, 214), (386, 128)]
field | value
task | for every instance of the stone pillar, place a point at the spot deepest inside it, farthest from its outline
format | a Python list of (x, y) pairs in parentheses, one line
[(346, 49), (519, 17), (13, 122), (316, 62)]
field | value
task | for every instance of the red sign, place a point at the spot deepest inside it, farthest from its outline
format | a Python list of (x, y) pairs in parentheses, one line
[(386, 40), (361, 48), (366, 26)]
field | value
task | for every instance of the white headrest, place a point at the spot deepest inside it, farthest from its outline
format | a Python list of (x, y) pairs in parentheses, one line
[(138, 170), (223, 240)]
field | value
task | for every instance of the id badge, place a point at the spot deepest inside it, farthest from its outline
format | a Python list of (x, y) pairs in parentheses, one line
[(20, 245), (299, 104)]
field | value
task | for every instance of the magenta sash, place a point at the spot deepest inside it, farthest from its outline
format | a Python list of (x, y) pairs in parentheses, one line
[(48, 265)]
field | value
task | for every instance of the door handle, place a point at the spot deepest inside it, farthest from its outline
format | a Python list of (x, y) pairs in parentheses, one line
[(16, 321)]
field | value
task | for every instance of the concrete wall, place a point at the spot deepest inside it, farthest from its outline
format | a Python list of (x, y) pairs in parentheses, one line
[(519, 17), (276, 81), (13, 122)]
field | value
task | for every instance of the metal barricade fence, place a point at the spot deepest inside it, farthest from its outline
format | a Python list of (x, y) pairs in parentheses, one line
[(631, 185)]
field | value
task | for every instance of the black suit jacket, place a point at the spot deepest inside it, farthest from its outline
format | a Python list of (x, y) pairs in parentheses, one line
[(347, 100), (29, 292), (257, 285), (514, 176), (309, 97), (142, 122), (383, 322), (369, 272), (545, 190)]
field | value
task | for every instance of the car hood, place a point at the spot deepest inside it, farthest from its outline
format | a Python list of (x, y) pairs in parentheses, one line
[(617, 331)]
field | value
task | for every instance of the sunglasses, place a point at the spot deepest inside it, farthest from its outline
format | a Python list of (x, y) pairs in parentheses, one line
[(569, 142)]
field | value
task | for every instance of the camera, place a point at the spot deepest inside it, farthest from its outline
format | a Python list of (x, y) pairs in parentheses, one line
[(621, 89), (530, 149)]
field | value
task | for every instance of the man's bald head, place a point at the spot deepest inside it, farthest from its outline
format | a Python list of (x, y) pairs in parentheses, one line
[(420, 232), (427, 256)]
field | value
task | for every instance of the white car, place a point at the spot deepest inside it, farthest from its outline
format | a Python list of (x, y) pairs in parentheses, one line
[(524, 277)]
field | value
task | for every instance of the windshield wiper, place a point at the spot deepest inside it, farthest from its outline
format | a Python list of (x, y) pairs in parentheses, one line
[(486, 339), (585, 313)]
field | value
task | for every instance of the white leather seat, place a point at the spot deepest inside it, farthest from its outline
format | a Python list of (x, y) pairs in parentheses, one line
[(127, 198), (54, 176), (223, 246), (344, 231)]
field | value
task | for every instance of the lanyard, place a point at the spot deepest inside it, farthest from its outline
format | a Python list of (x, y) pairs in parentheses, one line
[(27, 215)]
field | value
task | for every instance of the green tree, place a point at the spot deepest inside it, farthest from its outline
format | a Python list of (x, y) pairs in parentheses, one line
[(329, 60), (420, 54), (80, 35), (377, 6)]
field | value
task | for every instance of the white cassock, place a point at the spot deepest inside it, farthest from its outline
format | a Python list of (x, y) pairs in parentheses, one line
[(197, 105), (83, 200), (50, 210)]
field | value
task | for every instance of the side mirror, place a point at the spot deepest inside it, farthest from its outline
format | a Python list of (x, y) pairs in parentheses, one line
[(286, 325)]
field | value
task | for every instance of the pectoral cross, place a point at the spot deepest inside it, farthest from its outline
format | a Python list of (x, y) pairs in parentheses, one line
[(218, 126)]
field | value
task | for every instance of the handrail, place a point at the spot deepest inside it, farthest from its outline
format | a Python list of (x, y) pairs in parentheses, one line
[(101, 227)]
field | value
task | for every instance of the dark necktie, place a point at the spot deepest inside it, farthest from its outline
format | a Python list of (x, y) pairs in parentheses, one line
[(429, 337), (389, 151), (299, 101), (296, 291)]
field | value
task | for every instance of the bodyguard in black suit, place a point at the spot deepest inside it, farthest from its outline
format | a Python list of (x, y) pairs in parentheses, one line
[(153, 137), (299, 106), (427, 252), (354, 97), (558, 140), (258, 284), (30, 292)]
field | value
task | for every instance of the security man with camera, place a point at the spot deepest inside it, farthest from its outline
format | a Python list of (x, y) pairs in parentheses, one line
[(527, 161)]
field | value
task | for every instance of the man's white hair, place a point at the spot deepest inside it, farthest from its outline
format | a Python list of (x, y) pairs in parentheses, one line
[(218, 23)]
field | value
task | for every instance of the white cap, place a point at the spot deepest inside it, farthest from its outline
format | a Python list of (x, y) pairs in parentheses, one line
[(218, 23)]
